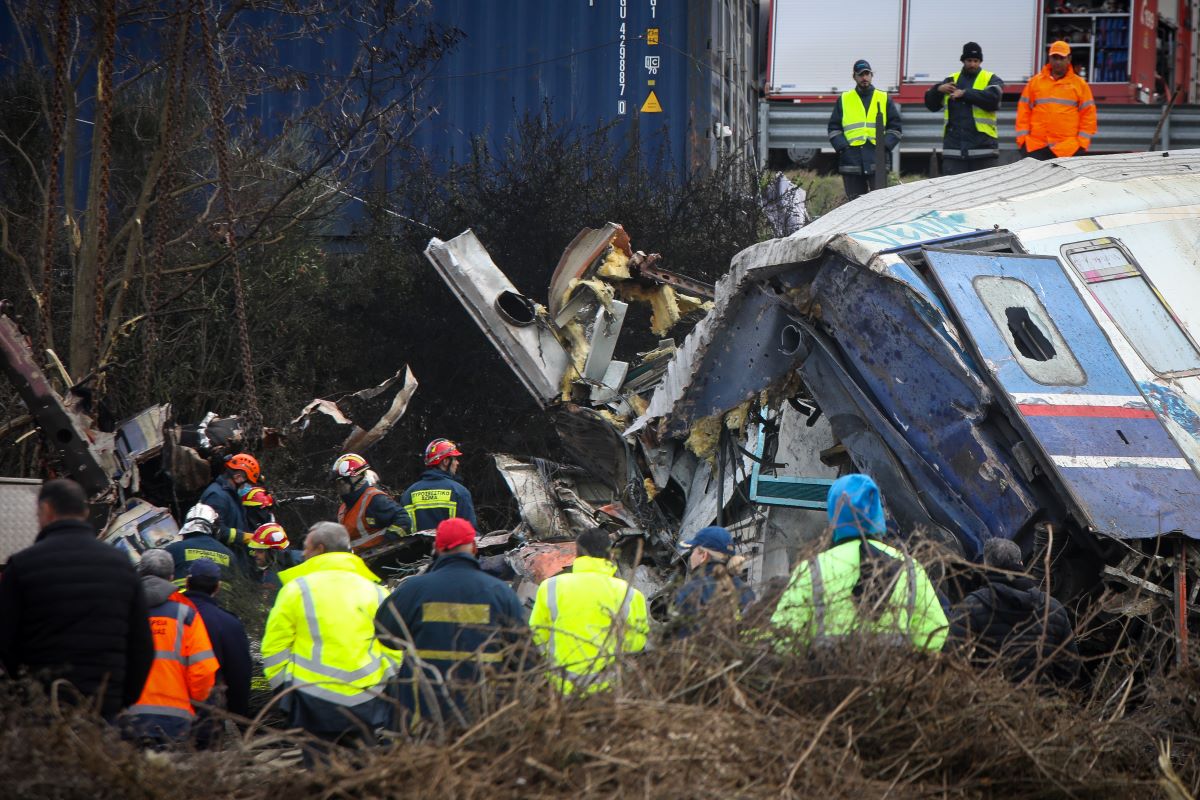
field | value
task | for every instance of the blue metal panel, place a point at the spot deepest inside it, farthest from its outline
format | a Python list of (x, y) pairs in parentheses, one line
[(785, 490), (932, 399), (1123, 472), (586, 59)]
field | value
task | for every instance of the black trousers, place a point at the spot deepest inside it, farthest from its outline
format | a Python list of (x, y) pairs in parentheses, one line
[(961, 166), (857, 185)]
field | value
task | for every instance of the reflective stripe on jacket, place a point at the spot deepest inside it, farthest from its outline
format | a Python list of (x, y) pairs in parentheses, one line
[(819, 601), (320, 634), (583, 619), (365, 529), (1059, 113), (455, 618), (184, 668), (437, 495), (985, 121), (858, 121)]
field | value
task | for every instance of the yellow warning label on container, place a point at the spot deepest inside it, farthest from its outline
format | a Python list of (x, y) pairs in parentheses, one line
[(651, 36), (651, 106)]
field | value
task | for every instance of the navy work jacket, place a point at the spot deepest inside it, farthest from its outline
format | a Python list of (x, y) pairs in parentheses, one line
[(458, 617)]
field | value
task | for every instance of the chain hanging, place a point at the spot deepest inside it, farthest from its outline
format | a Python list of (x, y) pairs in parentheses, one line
[(253, 415), (174, 92), (104, 105), (57, 125)]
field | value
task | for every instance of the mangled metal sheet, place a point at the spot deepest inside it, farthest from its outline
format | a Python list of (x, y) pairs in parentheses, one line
[(581, 259), (368, 411), (514, 323), (548, 497), (65, 430)]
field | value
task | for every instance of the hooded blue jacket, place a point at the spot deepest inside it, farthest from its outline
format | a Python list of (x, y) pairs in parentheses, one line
[(855, 509)]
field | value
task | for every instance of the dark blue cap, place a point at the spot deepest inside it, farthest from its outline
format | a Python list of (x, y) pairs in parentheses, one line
[(713, 538), (862, 64), (204, 568)]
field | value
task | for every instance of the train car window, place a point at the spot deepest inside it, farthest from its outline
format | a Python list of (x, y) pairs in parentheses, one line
[(1026, 327), (1131, 301)]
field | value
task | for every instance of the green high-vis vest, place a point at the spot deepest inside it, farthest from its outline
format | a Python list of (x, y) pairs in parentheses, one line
[(985, 121), (858, 122)]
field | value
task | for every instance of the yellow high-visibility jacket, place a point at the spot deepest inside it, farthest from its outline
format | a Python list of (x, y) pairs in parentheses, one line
[(819, 603), (320, 635), (583, 619)]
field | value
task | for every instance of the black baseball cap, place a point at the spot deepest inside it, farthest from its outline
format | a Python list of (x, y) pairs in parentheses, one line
[(862, 65)]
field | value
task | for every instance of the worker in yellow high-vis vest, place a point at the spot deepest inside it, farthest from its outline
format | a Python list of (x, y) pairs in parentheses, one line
[(319, 650), (583, 620), (852, 130), (968, 101)]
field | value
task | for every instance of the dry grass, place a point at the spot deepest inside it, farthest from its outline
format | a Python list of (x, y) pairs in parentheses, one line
[(715, 716)]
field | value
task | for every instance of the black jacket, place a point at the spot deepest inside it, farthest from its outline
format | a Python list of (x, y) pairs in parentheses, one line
[(487, 616), (962, 140), (861, 160), (72, 607), (231, 647), (1009, 619)]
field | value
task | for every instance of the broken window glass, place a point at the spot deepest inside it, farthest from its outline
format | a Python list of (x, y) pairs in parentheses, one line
[(1032, 337), (1132, 302)]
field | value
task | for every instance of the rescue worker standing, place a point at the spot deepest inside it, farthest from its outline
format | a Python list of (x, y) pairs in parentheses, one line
[(224, 496), (968, 100), (230, 646), (453, 619), (319, 649), (197, 542), (583, 619), (367, 512), (1056, 117), (72, 608), (184, 668), (861, 585), (852, 130), (439, 493), (713, 591)]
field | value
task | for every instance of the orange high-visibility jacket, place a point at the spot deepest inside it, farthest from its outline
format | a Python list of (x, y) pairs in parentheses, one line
[(1060, 113), (184, 667)]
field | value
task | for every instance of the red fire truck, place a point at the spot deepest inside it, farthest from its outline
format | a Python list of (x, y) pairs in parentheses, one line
[(1130, 51)]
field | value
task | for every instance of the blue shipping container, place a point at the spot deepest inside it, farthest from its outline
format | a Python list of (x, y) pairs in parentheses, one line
[(676, 74)]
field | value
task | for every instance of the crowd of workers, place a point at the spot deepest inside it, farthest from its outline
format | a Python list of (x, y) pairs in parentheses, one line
[(346, 659), (1056, 117)]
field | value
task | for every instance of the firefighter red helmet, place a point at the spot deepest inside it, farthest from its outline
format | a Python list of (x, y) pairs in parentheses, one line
[(258, 497), (244, 463), (439, 450), (271, 536), (350, 466)]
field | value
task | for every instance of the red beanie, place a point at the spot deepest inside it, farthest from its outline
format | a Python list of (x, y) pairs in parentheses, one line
[(452, 533)]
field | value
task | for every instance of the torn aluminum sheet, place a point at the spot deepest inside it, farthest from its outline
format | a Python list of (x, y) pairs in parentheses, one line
[(362, 410), (549, 496), (514, 323), (581, 259)]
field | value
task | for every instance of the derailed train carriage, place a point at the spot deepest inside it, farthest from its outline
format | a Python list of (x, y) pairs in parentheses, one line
[(1010, 353)]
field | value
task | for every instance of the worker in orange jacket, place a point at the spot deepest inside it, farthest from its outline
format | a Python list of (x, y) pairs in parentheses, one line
[(1056, 117), (184, 668)]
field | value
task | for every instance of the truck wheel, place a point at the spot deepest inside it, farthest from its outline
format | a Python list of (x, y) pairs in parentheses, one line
[(803, 156)]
